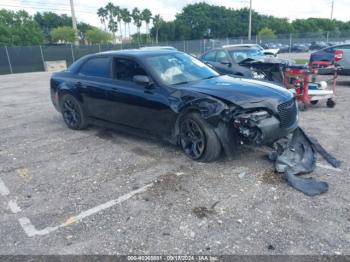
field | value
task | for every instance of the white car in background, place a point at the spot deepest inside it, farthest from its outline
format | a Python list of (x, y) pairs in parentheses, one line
[(272, 52)]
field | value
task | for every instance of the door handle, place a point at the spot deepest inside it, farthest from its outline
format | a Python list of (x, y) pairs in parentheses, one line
[(78, 84), (115, 89)]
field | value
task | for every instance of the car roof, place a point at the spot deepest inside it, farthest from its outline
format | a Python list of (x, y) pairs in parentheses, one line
[(241, 47), (127, 53), (137, 52), (157, 48)]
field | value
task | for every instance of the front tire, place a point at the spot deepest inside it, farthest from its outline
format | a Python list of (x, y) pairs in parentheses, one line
[(198, 139), (72, 112)]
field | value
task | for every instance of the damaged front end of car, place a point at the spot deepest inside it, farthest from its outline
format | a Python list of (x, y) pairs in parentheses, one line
[(258, 126), (258, 113)]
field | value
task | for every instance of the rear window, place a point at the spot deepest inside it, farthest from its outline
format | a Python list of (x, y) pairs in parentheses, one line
[(97, 67)]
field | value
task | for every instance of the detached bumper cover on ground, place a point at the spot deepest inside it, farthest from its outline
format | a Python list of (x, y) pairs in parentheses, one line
[(296, 155)]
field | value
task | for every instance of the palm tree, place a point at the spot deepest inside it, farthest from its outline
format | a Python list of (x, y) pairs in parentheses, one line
[(112, 25), (126, 17), (102, 14), (136, 16), (146, 16), (117, 14), (157, 22)]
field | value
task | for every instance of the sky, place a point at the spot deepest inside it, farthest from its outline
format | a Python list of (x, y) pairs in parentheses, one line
[(86, 9)]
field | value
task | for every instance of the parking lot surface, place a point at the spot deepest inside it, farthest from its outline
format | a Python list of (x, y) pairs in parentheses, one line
[(100, 191)]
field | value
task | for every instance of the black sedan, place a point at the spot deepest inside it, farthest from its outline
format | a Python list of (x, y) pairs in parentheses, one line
[(171, 95), (247, 62)]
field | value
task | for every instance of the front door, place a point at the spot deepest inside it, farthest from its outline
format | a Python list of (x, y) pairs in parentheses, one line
[(136, 105)]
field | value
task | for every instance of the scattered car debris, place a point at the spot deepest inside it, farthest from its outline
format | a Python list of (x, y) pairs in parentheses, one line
[(202, 212), (296, 155), (241, 175)]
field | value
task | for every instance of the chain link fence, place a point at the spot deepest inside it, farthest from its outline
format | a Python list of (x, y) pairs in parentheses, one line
[(32, 58)]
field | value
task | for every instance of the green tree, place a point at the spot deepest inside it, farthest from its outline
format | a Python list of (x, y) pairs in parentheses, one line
[(146, 16), (118, 14), (112, 24), (19, 28), (83, 28), (97, 36), (49, 20), (139, 39), (126, 17), (136, 16), (103, 14), (157, 23), (267, 33), (64, 34)]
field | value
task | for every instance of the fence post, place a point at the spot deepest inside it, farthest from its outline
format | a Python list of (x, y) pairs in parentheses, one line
[(290, 43), (42, 57), (204, 45), (184, 45), (99, 47), (71, 48), (8, 59)]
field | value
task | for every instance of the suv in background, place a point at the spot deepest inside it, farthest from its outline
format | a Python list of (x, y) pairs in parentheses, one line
[(335, 55)]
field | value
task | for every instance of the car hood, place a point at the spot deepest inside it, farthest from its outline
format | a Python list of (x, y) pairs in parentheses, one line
[(272, 50), (266, 60), (245, 93)]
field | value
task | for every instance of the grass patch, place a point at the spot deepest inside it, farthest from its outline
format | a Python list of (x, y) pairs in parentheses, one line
[(302, 61)]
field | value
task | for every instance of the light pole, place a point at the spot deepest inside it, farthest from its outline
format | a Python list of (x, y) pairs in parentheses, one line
[(250, 21), (332, 9), (74, 22)]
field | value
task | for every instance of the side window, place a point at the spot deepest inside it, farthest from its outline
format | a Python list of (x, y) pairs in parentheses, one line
[(221, 57), (344, 47), (239, 56), (125, 69), (210, 57), (99, 66)]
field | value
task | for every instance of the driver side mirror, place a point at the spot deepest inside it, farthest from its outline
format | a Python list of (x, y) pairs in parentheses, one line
[(143, 80)]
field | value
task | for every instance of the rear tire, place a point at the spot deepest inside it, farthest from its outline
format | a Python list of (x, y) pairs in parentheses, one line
[(314, 102), (72, 112), (330, 103), (198, 139)]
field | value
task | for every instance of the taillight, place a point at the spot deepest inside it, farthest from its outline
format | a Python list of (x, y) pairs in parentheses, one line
[(338, 55)]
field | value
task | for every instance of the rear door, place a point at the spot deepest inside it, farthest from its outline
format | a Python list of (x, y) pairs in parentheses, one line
[(94, 78)]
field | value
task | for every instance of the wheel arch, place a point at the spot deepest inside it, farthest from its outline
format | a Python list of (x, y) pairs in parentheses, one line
[(72, 92)]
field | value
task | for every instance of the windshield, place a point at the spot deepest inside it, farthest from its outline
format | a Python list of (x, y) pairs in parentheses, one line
[(179, 68), (243, 54)]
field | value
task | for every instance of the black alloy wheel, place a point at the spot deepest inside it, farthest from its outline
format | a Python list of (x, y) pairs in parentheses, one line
[(72, 112), (192, 139)]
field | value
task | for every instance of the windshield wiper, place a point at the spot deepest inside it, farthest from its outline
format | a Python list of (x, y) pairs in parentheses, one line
[(180, 83), (209, 77)]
